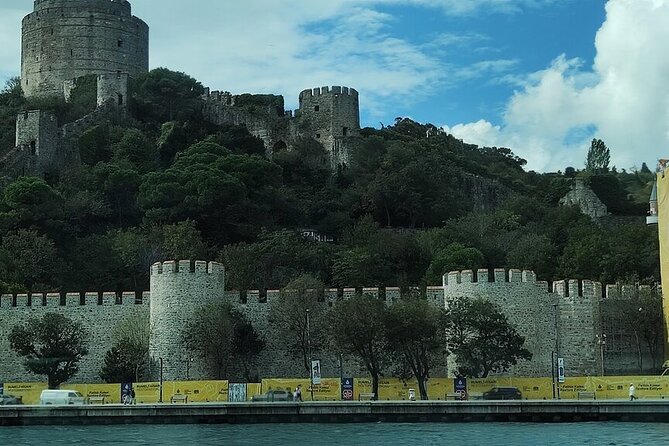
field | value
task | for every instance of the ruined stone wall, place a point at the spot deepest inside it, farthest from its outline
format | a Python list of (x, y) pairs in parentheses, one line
[(113, 88), (66, 39), (219, 108), (37, 134)]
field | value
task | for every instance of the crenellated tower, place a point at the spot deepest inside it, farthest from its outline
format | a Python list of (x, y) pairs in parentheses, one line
[(63, 40), (178, 289), (331, 115)]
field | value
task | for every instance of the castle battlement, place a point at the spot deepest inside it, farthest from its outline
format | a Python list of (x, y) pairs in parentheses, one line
[(46, 7), (618, 291), (336, 90), (482, 276), (572, 288), (71, 300), (186, 266)]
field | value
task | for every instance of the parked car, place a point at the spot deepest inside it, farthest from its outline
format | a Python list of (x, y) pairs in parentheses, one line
[(10, 400), (61, 397), (502, 393), (274, 395)]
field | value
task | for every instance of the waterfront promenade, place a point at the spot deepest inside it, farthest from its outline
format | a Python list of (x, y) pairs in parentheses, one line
[(340, 412)]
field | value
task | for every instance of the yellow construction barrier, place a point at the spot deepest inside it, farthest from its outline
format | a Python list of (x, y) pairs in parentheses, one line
[(328, 390), (607, 387), (110, 392), (28, 392)]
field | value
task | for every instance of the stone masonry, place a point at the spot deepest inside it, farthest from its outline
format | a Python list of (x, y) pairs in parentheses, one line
[(179, 288), (329, 115), (63, 40)]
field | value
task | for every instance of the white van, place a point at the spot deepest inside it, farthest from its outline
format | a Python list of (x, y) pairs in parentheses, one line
[(61, 397)]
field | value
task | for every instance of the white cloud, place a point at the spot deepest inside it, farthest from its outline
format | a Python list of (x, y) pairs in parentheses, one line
[(10, 42), (623, 100)]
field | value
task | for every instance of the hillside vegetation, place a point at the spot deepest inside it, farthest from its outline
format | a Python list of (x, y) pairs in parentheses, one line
[(414, 203)]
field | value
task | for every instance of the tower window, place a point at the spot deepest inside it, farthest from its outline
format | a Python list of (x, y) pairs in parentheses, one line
[(345, 131), (120, 99), (119, 43), (71, 52), (33, 147), (51, 31), (318, 136), (317, 108)]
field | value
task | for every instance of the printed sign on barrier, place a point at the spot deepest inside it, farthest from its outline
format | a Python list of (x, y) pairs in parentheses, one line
[(347, 389), (561, 370), (315, 372)]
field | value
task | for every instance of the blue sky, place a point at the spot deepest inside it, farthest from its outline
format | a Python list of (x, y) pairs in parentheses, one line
[(542, 77)]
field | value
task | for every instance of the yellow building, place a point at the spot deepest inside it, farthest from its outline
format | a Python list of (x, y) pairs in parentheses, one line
[(659, 213)]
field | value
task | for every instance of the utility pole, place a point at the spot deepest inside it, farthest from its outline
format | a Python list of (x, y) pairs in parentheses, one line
[(311, 369), (556, 371), (160, 396)]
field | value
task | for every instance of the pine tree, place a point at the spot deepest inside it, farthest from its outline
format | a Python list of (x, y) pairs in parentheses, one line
[(598, 157)]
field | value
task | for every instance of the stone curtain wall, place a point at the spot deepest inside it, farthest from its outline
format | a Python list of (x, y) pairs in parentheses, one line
[(179, 288), (527, 304), (99, 313), (66, 39)]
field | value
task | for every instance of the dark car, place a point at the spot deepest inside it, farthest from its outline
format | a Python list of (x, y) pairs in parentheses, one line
[(274, 395), (10, 400), (502, 393)]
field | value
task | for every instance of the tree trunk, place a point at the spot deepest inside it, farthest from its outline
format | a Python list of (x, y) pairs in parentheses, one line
[(638, 349), (375, 385), (422, 388)]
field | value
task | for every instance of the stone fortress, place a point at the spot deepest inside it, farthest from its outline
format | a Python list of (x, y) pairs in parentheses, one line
[(566, 316), (66, 40)]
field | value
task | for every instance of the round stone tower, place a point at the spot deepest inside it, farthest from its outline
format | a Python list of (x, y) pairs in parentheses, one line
[(178, 289), (332, 117), (65, 39)]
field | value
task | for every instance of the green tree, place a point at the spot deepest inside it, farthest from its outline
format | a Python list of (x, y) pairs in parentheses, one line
[(183, 241), (51, 345), (289, 314), (11, 102), (210, 333), (482, 339), (222, 336), (640, 317), (357, 327), (120, 363), (454, 257), (129, 357), (415, 329), (31, 258), (247, 345), (135, 148), (598, 157), (163, 95)]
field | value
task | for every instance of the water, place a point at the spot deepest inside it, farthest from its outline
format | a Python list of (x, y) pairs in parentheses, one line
[(378, 434)]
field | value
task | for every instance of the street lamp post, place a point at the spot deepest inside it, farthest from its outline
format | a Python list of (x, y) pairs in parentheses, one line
[(555, 368), (311, 369), (160, 397), (601, 341), (188, 362)]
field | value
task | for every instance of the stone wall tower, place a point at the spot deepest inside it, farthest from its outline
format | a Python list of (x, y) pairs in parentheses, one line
[(178, 289), (332, 117), (63, 40)]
